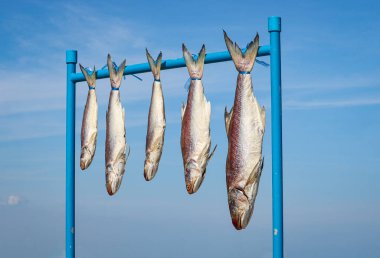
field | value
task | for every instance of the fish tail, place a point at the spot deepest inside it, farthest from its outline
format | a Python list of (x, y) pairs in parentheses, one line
[(91, 79), (155, 66), (115, 76), (195, 67), (243, 62)]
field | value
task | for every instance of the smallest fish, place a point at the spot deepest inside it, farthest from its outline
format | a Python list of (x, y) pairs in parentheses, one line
[(89, 130)]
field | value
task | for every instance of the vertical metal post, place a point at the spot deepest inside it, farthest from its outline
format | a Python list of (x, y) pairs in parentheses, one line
[(71, 61), (274, 28)]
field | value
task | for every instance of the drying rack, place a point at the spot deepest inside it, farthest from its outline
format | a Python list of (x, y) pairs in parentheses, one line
[(273, 50)]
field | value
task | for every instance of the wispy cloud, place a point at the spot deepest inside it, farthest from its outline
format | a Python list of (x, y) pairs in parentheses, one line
[(13, 200), (339, 103), (330, 83)]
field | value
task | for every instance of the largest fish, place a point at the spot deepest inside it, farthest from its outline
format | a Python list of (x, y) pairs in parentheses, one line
[(245, 126), (195, 131), (89, 131), (116, 146), (156, 121)]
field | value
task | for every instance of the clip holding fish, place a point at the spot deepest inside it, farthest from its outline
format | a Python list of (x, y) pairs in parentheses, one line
[(263, 63)]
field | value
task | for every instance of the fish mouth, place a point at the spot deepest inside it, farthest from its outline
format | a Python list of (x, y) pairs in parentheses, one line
[(242, 219), (113, 181), (193, 176), (194, 185), (240, 209), (85, 159), (150, 170), (84, 163)]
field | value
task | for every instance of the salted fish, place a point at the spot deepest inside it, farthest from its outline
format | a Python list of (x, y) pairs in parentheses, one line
[(195, 131), (156, 121), (116, 146), (89, 130), (245, 126)]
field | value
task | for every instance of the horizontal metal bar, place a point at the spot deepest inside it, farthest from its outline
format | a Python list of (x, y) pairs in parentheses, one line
[(167, 64)]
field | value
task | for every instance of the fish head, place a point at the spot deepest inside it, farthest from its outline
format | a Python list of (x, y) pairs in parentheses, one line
[(114, 175), (150, 169), (193, 176), (85, 158), (241, 208)]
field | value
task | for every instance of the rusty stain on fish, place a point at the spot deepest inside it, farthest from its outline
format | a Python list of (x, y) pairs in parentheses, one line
[(195, 129), (116, 146), (89, 131), (156, 121), (245, 126)]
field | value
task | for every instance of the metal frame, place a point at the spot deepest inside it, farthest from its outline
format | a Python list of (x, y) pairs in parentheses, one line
[(274, 28)]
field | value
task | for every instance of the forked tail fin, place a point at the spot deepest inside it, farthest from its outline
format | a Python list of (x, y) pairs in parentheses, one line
[(155, 66), (195, 68), (115, 76), (243, 62), (91, 79)]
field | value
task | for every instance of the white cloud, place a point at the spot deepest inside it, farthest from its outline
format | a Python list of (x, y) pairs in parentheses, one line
[(13, 200)]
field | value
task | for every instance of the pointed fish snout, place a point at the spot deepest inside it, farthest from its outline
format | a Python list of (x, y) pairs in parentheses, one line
[(150, 170), (193, 177), (85, 159), (241, 219), (83, 164), (240, 209), (113, 181), (193, 185)]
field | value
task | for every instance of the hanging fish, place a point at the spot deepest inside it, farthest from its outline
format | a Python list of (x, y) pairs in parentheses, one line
[(89, 130), (195, 131), (116, 146), (245, 126), (156, 121)]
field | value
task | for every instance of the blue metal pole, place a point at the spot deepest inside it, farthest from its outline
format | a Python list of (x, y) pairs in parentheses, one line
[(71, 60), (168, 64), (274, 28)]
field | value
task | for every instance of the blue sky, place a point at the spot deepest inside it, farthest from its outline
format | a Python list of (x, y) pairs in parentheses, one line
[(331, 103)]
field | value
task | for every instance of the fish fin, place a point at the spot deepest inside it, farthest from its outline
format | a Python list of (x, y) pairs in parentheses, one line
[(183, 109), (227, 118), (93, 137), (111, 69), (127, 153), (262, 114), (155, 66), (195, 68), (261, 111), (252, 185), (115, 76), (120, 70), (212, 153), (91, 79), (255, 174), (243, 62), (123, 117)]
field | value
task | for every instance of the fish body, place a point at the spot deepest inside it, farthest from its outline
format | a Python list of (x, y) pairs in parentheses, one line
[(116, 148), (245, 126), (156, 122), (89, 131), (195, 130)]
